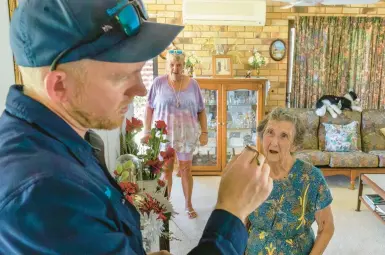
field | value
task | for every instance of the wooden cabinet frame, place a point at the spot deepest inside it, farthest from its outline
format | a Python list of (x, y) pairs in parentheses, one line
[(223, 85), (12, 4)]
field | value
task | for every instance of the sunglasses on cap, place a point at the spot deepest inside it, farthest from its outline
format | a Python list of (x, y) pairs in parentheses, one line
[(127, 15), (176, 52)]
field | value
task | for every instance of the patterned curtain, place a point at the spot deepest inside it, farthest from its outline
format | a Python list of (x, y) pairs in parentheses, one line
[(335, 54)]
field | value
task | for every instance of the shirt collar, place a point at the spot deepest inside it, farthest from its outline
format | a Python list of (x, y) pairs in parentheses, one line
[(30, 110)]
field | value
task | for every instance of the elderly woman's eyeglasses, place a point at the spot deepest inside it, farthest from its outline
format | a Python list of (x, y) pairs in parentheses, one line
[(176, 52), (127, 15)]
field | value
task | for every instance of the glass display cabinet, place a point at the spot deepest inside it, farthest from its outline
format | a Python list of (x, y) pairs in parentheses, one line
[(233, 108)]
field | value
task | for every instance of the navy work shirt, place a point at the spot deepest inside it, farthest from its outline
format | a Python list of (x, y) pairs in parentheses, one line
[(56, 198)]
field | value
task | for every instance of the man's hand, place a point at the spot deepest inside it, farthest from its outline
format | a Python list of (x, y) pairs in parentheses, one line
[(244, 185), (160, 253)]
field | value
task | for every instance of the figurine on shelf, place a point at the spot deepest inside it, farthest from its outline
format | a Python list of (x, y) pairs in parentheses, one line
[(248, 74)]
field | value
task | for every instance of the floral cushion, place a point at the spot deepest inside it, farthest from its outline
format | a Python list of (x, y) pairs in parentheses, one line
[(381, 157), (353, 159), (372, 123), (315, 157), (344, 118), (311, 122), (341, 137)]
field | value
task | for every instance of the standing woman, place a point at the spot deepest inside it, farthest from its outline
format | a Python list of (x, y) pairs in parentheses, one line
[(176, 99)]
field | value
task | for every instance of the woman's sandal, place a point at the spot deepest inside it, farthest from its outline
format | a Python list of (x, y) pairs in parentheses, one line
[(192, 214)]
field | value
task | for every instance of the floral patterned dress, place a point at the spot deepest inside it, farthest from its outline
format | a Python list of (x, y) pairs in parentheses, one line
[(183, 126), (282, 225)]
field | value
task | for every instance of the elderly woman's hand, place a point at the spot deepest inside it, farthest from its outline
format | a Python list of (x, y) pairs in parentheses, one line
[(203, 139), (145, 139)]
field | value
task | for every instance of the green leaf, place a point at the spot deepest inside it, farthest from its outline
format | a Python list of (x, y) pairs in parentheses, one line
[(129, 165), (124, 176), (119, 169)]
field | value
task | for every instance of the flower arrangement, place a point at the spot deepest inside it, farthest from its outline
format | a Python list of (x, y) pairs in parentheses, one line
[(127, 142), (137, 173), (150, 160), (153, 164), (191, 62), (256, 61), (154, 210)]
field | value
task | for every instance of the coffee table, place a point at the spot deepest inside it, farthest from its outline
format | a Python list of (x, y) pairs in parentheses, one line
[(377, 183)]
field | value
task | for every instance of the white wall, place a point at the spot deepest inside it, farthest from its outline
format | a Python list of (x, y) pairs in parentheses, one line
[(112, 143), (7, 75)]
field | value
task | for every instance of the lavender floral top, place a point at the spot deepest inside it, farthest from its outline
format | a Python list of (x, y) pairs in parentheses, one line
[(182, 123)]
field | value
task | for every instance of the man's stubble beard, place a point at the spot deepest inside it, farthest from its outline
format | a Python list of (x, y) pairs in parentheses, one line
[(90, 120), (87, 120)]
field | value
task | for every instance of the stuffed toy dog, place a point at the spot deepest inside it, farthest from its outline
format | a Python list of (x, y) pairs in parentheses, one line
[(334, 104)]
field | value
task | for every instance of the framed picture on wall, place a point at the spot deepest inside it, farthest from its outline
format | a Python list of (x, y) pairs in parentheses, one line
[(278, 50), (222, 66)]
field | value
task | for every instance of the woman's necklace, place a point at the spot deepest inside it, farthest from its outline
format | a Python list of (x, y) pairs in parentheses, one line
[(177, 96)]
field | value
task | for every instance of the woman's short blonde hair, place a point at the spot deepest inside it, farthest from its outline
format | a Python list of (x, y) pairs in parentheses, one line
[(283, 114)]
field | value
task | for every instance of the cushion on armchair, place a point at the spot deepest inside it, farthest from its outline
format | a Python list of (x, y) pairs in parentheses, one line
[(372, 123), (345, 118), (341, 138), (315, 157), (353, 159), (381, 157)]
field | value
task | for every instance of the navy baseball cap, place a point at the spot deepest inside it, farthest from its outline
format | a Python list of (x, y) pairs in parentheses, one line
[(41, 30)]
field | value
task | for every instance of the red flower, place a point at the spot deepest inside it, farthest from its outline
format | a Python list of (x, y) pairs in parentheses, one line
[(129, 187), (160, 124), (168, 154), (137, 123), (116, 173), (156, 165), (165, 131), (134, 124), (129, 199), (129, 126), (162, 217), (161, 183), (150, 204)]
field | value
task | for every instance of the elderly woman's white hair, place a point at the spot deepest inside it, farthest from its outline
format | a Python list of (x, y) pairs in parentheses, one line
[(180, 56), (283, 114)]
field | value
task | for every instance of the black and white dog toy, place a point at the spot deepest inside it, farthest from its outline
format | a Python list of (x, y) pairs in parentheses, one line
[(334, 105)]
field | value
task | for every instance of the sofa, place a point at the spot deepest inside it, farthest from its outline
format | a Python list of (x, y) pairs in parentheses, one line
[(369, 156)]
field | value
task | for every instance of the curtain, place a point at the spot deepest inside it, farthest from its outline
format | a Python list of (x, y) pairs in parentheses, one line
[(335, 54)]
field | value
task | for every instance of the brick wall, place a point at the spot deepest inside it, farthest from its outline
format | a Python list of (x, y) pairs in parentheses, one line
[(277, 27)]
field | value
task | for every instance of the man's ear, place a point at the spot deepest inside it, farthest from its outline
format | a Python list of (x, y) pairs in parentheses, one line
[(55, 86)]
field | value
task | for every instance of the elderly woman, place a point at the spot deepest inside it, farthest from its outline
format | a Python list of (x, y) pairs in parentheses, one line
[(300, 196), (176, 99)]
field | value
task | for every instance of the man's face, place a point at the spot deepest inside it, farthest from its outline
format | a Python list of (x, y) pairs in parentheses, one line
[(100, 99)]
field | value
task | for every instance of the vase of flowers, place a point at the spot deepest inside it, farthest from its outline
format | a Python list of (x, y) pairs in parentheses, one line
[(191, 62), (256, 61), (138, 177), (154, 210)]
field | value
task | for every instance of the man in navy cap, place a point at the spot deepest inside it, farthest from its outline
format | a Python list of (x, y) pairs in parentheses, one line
[(81, 61)]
